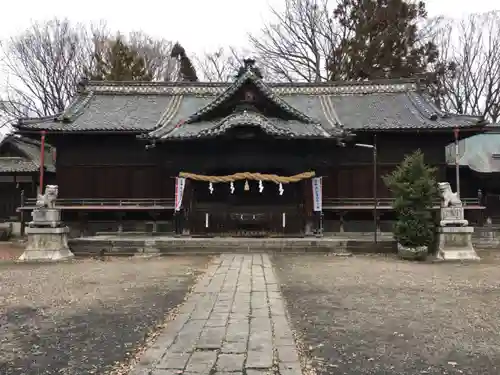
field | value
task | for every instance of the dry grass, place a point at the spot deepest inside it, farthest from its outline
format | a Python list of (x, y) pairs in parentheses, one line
[(85, 316), (375, 314)]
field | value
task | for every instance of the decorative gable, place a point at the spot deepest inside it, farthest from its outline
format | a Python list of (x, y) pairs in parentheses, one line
[(248, 92)]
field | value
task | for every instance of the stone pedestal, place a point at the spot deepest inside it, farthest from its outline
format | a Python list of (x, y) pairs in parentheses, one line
[(455, 243), (454, 234), (46, 244), (453, 216), (46, 217)]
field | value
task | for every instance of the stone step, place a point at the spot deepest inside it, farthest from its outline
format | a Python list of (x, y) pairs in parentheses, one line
[(117, 245)]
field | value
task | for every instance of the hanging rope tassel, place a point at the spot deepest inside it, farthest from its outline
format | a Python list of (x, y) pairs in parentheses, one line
[(247, 186)]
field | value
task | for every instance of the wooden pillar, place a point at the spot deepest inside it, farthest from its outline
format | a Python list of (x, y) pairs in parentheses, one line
[(308, 207), (187, 204), (83, 221), (154, 215), (175, 218), (480, 200), (21, 214)]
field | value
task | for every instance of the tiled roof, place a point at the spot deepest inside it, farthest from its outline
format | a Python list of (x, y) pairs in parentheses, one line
[(28, 155), (481, 152), (17, 164), (144, 107), (292, 123), (271, 126)]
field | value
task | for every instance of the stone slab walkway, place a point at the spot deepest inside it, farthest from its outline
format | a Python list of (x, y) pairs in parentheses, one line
[(234, 323)]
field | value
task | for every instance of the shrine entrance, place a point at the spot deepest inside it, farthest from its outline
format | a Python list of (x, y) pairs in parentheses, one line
[(249, 207)]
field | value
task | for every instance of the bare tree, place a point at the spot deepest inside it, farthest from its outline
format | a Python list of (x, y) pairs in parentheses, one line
[(156, 54), (298, 44), (220, 65), (470, 49), (43, 66)]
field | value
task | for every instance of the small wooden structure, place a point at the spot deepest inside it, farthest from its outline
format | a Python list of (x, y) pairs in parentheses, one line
[(479, 169), (121, 146), (19, 169)]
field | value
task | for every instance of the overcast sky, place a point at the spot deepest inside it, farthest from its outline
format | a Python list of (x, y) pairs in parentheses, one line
[(199, 25)]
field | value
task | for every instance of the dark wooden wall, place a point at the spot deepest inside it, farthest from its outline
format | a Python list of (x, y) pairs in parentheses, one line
[(109, 167), (352, 176), (119, 166), (11, 188)]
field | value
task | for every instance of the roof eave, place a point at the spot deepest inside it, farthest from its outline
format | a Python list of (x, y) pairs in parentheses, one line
[(479, 127), (208, 137), (49, 131)]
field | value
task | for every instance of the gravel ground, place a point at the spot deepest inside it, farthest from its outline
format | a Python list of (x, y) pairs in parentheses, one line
[(86, 316), (381, 315), (10, 251)]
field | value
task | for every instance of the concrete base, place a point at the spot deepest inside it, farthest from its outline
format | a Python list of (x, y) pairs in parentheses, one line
[(455, 243), (46, 244)]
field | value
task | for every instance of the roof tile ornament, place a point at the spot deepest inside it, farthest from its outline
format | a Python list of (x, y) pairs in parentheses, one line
[(249, 65)]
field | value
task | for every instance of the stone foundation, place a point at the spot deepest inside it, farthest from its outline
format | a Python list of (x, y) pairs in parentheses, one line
[(131, 245), (46, 244), (455, 243)]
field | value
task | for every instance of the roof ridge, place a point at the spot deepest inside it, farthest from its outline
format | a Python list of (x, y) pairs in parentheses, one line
[(27, 120), (417, 103), (75, 108), (278, 88), (385, 81)]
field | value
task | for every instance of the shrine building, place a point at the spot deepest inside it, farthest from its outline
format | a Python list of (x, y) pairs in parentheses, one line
[(242, 158)]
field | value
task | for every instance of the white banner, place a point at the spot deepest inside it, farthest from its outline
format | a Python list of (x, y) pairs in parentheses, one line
[(317, 190), (180, 182)]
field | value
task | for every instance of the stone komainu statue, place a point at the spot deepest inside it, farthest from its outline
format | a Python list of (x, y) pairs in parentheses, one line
[(448, 198), (48, 200)]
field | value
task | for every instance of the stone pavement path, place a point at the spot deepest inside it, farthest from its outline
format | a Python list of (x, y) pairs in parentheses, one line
[(234, 323)]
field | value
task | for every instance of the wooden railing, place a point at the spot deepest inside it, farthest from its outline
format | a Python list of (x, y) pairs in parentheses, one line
[(169, 203), (381, 202), (118, 202)]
